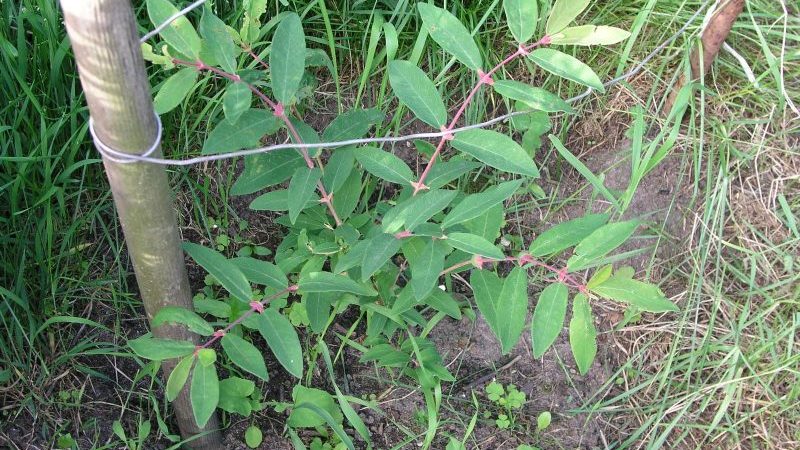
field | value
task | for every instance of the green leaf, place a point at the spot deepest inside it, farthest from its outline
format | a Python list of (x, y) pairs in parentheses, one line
[(596, 182), (477, 204), (474, 245), (444, 302), (384, 165), (450, 34), (218, 40), (236, 101), (253, 436), (282, 340), (159, 349), (251, 25), (512, 308), (308, 418), (206, 356), (248, 130), (233, 393), (486, 287), (566, 234), (543, 420), (496, 150), (178, 376), (548, 317), (204, 393), (302, 188), (563, 13), (534, 97), (346, 199), (277, 201), (245, 355), (590, 35), (287, 58), (339, 166), (444, 172), (644, 296), (214, 307), (582, 334), (261, 272), (329, 282), (425, 269), (600, 275), (521, 16), (344, 404), (267, 169), (318, 308), (179, 34), (225, 271), (174, 90), (352, 124), (176, 314), (600, 242), (415, 90), (488, 224), (566, 66), (379, 250), (417, 210)]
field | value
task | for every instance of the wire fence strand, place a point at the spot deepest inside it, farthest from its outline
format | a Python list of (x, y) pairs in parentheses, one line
[(386, 139)]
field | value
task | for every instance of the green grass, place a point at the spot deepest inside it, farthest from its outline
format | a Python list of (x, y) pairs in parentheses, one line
[(724, 372)]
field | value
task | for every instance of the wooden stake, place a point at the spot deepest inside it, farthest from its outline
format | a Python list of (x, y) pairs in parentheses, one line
[(712, 40), (107, 51)]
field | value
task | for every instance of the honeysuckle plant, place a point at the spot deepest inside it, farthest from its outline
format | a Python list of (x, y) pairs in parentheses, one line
[(349, 245)]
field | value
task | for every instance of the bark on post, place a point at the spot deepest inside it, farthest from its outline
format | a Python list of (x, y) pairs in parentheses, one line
[(107, 51), (712, 40)]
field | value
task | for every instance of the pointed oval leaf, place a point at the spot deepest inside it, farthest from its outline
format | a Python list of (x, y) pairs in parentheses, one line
[(476, 205), (236, 101), (287, 58), (566, 66), (339, 166), (178, 376), (282, 340), (534, 97), (302, 189), (218, 41), (548, 317), (415, 90), (496, 150), (267, 169), (601, 242), (644, 296), (276, 201), (446, 171), (245, 355), (180, 34), (384, 165), (261, 272), (329, 282), (425, 269), (590, 35), (512, 308), (488, 224), (582, 334), (204, 393), (474, 245), (379, 250), (415, 211), (174, 90), (451, 35), (248, 130), (521, 16), (563, 13), (225, 271), (566, 234), (176, 314), (352, 124), (486, 287), (159, 349)]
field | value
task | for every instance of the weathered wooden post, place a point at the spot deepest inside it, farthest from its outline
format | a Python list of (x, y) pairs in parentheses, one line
[(106, 46)]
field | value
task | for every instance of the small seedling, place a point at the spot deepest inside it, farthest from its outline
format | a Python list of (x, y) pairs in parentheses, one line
[(506, 400)]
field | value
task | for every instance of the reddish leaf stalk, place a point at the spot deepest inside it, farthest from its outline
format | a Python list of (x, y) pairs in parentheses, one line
[(483, 78), (255, 306), (280, 112)]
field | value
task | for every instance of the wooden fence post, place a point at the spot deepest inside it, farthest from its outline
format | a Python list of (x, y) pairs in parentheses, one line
[(106, 46)]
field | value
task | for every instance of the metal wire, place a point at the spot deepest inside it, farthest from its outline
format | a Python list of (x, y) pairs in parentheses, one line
[(107, 152)]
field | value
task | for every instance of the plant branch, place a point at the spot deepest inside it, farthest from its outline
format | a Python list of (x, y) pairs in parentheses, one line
[(483, 78)]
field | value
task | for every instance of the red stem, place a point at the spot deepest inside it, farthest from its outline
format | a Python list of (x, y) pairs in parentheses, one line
[(280, 112), (482, 79), (220, 333)]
